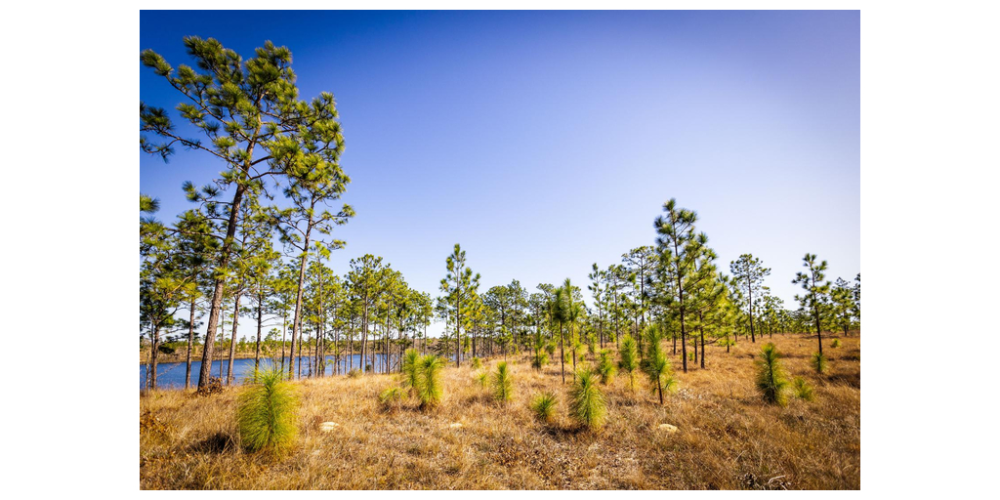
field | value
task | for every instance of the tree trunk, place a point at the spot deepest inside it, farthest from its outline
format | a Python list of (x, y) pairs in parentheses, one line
[(213, 315), (701, 330), (562, 354), (222, 328), (819, 333), (284, 327), (232, 342), (458, 324), (364, 334), (260, 319), (190, 346), (299, 357), (151, 373)]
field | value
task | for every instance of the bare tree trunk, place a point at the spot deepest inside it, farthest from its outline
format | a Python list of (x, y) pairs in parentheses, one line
[(260, 319), (562, 353), (364, 335), (232, 342), (190, 346), (284, 327), (213, 314), (222, 328), (153, 355), (299, 357), (701, 330)]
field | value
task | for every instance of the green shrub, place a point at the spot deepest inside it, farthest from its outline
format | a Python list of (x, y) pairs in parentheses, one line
[(267, 412), (818, 362), (551, 348), (587, 405), (476, 363), (771, 376), (544, 406), (354, 373), (503, 386), (605, 367), (628, 359), (568, 356), (802, 389), (835, 344), (430, 390)]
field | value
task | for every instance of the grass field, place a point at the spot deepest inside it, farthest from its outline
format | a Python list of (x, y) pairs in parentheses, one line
[(727, 437)]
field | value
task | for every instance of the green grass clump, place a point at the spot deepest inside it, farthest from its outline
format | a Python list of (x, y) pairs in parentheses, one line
[(802, 389), (354, 373), (391, 397), (587, 404), (267, 412), (544, 406), (628, 359), (482, 379), (835, 344), (771, 376), (503, 385), (430, 389), (476, 363), (605, 367), (818, 362)]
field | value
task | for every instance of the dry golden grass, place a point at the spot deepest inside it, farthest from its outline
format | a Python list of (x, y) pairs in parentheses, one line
[(727, 436)]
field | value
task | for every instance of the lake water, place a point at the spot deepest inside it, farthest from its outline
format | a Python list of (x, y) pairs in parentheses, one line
[(171, 375)]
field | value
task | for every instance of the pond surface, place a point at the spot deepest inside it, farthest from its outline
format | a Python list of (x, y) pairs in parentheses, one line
[(171, 375)]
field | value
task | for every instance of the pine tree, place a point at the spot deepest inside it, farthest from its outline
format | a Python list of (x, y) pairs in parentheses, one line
[(256, 128), (679, 249), (814, 299), (628, 360), (749, 275), (457, 284)]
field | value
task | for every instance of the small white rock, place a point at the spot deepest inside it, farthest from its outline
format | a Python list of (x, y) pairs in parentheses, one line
[(328, 426), (669, 429)]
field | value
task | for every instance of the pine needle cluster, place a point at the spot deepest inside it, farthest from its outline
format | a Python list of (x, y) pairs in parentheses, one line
[(657, 366), (802, 389), (422, 377), (771, 378), (503, 385), (539, 359), (628, 359), (267, 412), (544, 406), (391, 397), (819, 362), (605, 367), (587, 404)]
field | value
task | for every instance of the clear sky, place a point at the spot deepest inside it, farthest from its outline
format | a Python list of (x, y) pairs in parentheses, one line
[(546, 141)]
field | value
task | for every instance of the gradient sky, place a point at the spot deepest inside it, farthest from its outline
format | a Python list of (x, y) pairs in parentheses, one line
[(546, 141)]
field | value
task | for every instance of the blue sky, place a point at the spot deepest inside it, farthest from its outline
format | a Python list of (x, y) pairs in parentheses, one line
[(546, 141)]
